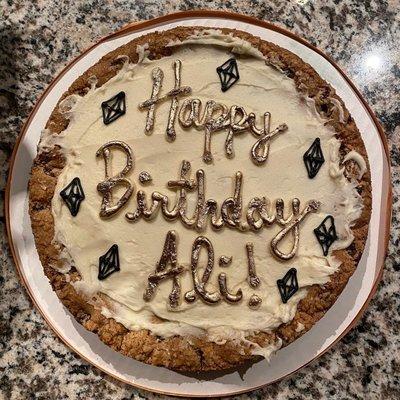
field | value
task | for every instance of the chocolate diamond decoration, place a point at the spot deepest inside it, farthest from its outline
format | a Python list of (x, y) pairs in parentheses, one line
[(228, 74), (109, 263), (313, 158), (326, 233), (288, 285), (73, 196), (113, 108)]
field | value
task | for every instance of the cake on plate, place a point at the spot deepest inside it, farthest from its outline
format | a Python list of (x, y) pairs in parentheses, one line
[(200, 198)]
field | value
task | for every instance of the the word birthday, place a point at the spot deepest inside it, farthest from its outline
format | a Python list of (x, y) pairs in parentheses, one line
[(257, 214)]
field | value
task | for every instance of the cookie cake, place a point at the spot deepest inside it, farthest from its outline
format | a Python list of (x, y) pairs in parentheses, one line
[(200, 198)]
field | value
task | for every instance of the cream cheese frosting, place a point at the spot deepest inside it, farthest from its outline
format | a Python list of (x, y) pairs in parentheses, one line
[(260, 89)]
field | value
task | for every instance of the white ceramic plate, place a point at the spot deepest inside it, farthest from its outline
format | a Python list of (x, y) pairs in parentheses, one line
[(328, 330)]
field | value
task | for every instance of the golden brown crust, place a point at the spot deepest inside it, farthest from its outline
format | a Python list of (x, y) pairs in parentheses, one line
[(189, 353)]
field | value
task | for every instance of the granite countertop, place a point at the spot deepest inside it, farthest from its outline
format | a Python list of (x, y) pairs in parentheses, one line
[(38, 38)]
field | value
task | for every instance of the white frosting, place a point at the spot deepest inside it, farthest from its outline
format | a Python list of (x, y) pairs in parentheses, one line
[(339, 107), (260, 89), (359, 160), (215, 37)]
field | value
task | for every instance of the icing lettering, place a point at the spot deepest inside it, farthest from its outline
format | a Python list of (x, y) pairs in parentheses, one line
[(214, 117), (200, 284), (232, 214), (169, 255), (150, 104), (106, 187)]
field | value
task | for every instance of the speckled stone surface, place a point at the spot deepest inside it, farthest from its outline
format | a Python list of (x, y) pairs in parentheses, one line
[(37, 38)]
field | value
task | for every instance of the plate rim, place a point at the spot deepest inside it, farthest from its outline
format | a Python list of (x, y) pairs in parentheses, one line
[(185, 15)]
